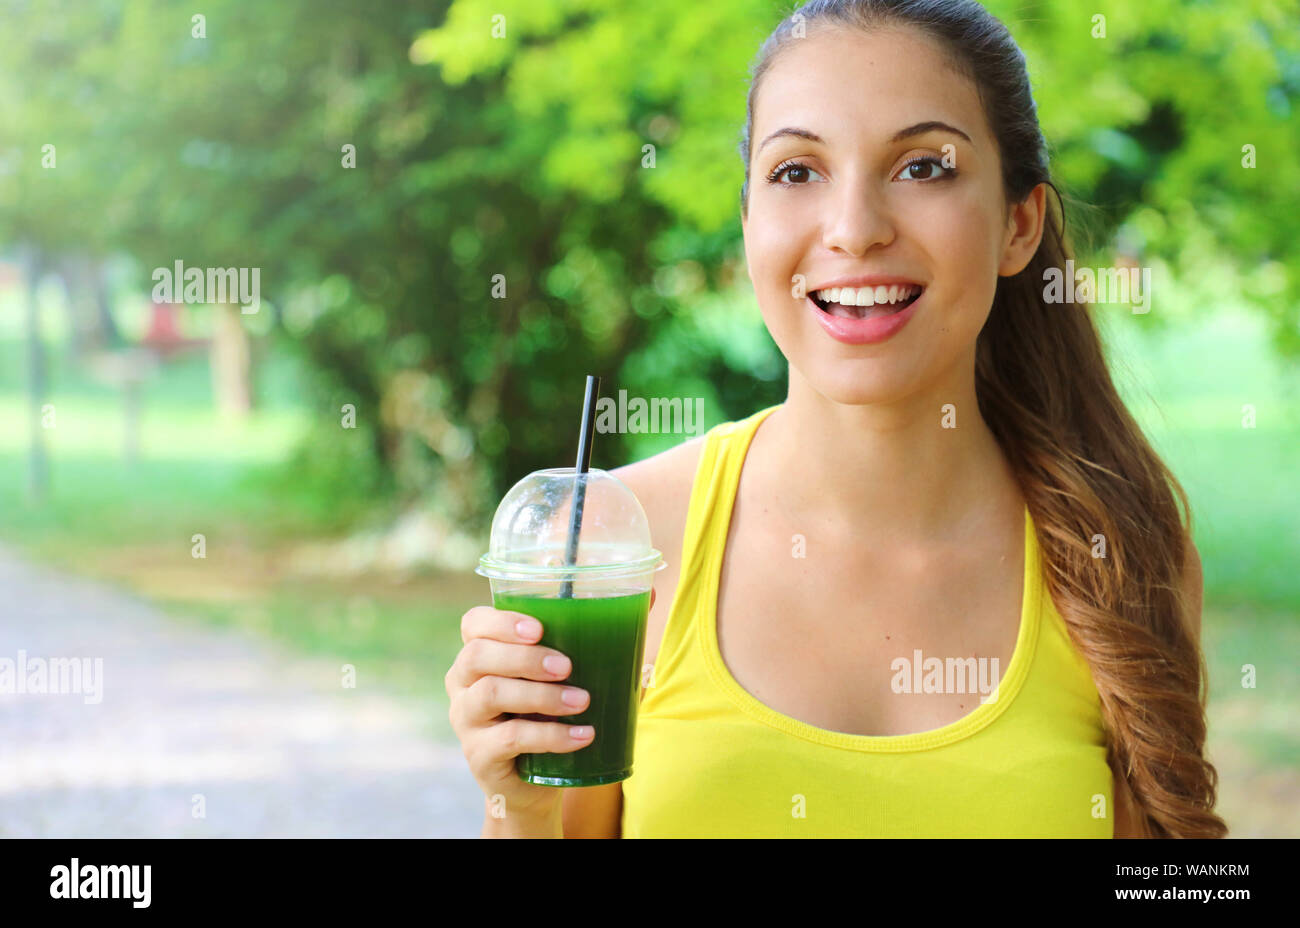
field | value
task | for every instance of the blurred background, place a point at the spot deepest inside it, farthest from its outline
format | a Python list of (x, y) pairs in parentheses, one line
[(457, 210)]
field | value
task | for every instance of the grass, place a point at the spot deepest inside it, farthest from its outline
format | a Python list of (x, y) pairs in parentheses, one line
[(195, 470), (1253, 739), (131, 526), (1241, 481)]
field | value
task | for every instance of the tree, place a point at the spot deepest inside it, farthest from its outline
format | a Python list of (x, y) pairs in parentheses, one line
[(458, 213)]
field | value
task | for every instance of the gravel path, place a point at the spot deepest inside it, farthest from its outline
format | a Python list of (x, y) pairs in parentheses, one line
[(271, 740)]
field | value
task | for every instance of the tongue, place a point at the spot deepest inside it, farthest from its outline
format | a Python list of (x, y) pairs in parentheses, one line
[(862, 312)]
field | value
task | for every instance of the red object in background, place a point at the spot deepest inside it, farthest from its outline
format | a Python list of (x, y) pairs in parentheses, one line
[(164, 335)]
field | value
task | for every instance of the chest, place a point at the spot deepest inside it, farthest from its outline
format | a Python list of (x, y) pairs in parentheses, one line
[(863, 639)]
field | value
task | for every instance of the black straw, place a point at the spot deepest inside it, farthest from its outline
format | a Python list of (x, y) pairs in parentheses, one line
[(585, 437)]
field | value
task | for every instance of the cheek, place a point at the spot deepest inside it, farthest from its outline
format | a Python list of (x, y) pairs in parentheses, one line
[(767, 250), (772, 258), (961, 238), (961, 235)]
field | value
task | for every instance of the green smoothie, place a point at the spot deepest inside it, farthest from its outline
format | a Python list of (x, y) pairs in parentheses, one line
[(605, 639)]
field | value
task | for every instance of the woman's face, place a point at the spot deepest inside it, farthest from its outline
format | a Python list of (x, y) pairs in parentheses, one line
[(851, 205)]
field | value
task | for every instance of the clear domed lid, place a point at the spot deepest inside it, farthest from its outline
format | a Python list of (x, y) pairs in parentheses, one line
[(530, 531)]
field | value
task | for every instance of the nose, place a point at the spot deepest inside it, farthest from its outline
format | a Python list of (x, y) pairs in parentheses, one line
[(859, 218)]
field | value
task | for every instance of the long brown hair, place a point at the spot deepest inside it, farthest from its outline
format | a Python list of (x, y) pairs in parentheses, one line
[(1081, 461)]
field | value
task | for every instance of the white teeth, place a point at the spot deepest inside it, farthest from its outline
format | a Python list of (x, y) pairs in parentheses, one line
[(868, 296)]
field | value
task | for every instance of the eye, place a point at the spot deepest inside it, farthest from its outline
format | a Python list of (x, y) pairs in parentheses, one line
[(916, 168), (790, 166)]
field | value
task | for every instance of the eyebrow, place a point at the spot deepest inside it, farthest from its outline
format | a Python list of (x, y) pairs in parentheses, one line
[(920, 128)]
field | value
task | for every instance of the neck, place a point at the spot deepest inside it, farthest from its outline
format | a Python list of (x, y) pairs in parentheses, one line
[(892, 466)]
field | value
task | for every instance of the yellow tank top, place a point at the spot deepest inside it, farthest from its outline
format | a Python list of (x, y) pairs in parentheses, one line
[(712, 761)]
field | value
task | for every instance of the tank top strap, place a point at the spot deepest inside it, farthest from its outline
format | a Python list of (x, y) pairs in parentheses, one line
[(708, 516)]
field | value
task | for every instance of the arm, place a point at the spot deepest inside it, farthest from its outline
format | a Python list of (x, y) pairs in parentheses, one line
[(594, 811), (521, 826), (1126, 825)]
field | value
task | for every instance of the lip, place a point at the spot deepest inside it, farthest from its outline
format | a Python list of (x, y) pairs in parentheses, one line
[(862, 331)]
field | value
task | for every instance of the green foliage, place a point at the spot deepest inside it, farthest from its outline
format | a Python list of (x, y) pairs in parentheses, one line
[(504, 232)]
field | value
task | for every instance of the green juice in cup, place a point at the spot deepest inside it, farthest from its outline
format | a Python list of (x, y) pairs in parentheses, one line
[(604, 637), (590, 589)]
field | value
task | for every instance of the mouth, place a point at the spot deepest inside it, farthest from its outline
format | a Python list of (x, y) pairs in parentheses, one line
[(866, 302)]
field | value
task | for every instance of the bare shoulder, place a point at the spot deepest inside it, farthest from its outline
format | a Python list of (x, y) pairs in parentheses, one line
[(662, 482)]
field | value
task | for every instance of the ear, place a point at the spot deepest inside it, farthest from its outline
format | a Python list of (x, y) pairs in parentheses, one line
[(1023, 232)]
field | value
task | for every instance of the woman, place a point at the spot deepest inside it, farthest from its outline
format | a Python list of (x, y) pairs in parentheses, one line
[(952, 482)]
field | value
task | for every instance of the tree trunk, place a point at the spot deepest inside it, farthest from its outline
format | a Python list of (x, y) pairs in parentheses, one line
[(231, 362), (90, 315), (38, 472)]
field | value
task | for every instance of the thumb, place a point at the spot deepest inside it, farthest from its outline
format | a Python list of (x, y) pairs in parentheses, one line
[(652, 597)]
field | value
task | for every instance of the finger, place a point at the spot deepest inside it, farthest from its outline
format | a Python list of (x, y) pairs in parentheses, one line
[(513, 737), (485, 656), (490, 696), (499, 624)]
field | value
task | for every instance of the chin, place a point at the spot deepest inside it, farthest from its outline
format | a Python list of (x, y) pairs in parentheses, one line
[(854, 388)]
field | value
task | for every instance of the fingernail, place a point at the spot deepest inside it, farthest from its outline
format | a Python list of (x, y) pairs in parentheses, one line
[(528, 628), (556, 664), (573, 697), (580, 731)]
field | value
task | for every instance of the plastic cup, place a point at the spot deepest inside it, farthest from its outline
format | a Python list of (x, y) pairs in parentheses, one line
[(600, 626)]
